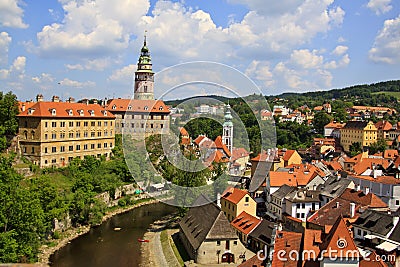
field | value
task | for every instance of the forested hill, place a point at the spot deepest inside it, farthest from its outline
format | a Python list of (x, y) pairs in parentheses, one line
[(356, 91), (383, 93)]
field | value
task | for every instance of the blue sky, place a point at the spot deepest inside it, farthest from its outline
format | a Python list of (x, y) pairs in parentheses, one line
[(89, 48)]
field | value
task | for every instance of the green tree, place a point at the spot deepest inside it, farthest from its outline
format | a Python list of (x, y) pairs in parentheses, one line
[(355, 149), (379, 146), (320, 120), (8, 118)]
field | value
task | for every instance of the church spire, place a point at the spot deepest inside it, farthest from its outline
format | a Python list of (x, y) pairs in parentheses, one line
[(227, 129), (144, 75)]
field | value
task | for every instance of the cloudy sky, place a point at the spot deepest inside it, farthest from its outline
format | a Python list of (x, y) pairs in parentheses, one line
[(89, 48)]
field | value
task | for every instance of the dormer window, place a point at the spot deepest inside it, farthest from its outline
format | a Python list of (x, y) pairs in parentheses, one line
[(146, 108), (91, 112), (70, 113), (129, 107), (53, 112), (80, 112), (114, 107), (105, 112), (161, 108), (30, 111)]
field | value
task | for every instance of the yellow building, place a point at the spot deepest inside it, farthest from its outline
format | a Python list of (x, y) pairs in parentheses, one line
[(358, 131), (234, 201), (54, 133)]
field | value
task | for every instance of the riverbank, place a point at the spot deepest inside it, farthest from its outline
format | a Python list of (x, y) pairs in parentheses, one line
[(46, 251)]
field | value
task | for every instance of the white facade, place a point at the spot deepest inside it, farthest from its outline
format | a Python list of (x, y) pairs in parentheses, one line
[(301, 210)]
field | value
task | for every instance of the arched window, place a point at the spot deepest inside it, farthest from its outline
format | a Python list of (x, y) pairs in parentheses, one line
[(33, 134), (26, 134)]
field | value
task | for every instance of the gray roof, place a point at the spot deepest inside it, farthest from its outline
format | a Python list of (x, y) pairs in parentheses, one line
[(302, 195), (263, 231), (283, 191), (259, 177), (206, 222), (355, 124), (333, 187), (375, 221), (395, 235)]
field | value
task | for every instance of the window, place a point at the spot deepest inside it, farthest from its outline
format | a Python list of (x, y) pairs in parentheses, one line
[(98, 145), (111, 145), (297, 215), (359, 232), (62, 135), (85, 134), (71, 148), (53, 124), (45, 136), (99, 123), (53, 161), (78, 134), (298, 205), (78, 124), (99, 134), (53, 136), (86, 123), (246, 199), (92, 134), (45, 124), (303, 205), (45, 150), (105, 123), (105, 145), (105, 133), (161, 125), (71, 124), (62, 149), (218, 243), (54, 149), (78, 147), (142, 125), (70, 159), (33, 150), (71, 135), (397, 202), (85, 147), (93, 123), (92, 146), (146, 108)]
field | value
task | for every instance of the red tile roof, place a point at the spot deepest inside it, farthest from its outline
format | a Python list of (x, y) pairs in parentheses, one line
[(24, 105), (327, 215), (183, 131), (238, 153), (245, 223), (372, 260), (286, 241), (335, 125), (390, 154), (312, 239), (288, 154), (301, 175), (134, 105), (379, 179), (370, 200), (66, 110), (369, 163), (383, 126), (234, 195), (220, 145), (339, 243)]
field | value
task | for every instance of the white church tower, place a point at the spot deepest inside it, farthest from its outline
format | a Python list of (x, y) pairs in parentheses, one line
[(144, 75), (227, 129)]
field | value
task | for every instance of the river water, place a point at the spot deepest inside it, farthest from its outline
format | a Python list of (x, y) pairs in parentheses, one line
[(103, 246)]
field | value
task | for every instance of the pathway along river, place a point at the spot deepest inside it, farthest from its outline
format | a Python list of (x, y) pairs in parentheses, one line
[(103, 246)]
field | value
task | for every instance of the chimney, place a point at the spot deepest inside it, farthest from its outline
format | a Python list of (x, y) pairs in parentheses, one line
[(338, 177), (95, 101), (23, 107), (366, 190), (86, 101), (280, 226), (337, 204), (71, 99), (55, 99), (219, 200), (314, 187), (352, 210), (39, 98), (358, 187)]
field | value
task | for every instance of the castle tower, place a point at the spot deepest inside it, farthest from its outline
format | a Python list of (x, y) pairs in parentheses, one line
[(227, 129), (144, 75)]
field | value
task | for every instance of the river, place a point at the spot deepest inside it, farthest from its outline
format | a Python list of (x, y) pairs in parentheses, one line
[(103, 246)]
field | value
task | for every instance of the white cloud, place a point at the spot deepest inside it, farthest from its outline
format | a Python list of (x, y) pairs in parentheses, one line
[(76, 84), (11, 14), (96, 64), (306, 59), (387, 43), (340, 50), (380, 6), (91, 29), (5, 41), (260, 71), (14, 76), (270, 7), (124, 75), (43, 78)]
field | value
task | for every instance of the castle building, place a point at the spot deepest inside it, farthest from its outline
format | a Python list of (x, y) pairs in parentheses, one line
[(54, 133), (143, 115)]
